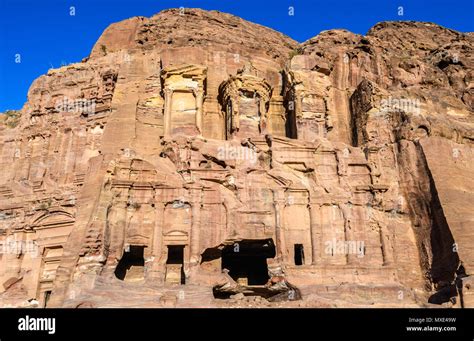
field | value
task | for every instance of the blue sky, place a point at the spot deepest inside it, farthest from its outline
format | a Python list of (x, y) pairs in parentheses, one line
[(44, 34)]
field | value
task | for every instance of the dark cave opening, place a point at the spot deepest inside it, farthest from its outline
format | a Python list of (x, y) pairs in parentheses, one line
[(131, 265), (47, 296), (176, 258), (247, 261)]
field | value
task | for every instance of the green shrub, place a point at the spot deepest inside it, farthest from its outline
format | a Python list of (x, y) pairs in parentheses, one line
[(11, 118), (295, 52)]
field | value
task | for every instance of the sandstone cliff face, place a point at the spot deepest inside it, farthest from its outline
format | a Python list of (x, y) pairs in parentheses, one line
[(196, 159)]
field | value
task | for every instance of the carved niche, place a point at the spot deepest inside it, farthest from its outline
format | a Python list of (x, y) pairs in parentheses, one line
[(183, 92), (308, 116), (51, 231), (245, 102)]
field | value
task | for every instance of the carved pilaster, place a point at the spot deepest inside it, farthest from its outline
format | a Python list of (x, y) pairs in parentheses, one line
[(167, 114), (195, 227), (235, 114), (316, 232), (279, 204), (158, 251), (263, 116), (199, 104), (387, 246)]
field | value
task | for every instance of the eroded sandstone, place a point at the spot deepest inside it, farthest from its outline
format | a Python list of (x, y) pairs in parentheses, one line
[(202, 160)]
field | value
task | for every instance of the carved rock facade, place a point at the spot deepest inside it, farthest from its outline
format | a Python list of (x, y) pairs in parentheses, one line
[(195, 157)]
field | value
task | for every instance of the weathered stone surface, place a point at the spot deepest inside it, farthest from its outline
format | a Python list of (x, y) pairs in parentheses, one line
[(196, 159)]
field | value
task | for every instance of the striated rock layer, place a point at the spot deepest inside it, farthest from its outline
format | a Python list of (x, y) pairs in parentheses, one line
[(197, 160)]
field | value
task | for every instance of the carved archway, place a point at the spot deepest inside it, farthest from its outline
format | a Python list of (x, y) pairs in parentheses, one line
[(245, 101)]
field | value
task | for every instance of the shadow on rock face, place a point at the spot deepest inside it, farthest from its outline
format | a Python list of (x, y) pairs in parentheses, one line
[(444, 295)]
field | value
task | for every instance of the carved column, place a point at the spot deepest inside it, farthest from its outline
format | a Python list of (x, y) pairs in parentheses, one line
[(158, 232), (231, 212), (350, 220), (235, 114), (118, 226), (199, 104), (316, 231), (387, 247), (279, 204), (167, 114), (157, 272), (263, 116), (195, 226)]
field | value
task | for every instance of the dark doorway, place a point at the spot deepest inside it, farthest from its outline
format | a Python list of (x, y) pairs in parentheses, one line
[(47, 295), (175, 254), (131, 266), (229, 113), (175, 262), (247, 261), (299, 254)]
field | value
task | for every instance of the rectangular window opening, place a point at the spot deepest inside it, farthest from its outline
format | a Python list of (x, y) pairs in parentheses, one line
[(299, 254)]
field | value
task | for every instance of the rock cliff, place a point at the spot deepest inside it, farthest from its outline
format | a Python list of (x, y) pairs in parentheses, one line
[(196, 159)]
